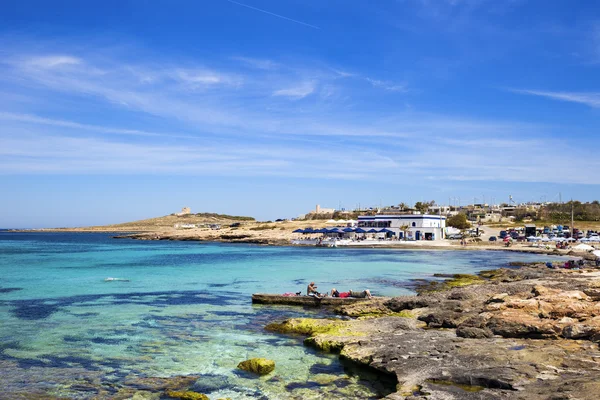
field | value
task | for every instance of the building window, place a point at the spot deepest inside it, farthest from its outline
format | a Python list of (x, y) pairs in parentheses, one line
[(414, 224)]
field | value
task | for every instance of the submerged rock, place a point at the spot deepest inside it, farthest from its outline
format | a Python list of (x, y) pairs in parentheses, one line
[(186, 395), (260, 366), (142, 395)]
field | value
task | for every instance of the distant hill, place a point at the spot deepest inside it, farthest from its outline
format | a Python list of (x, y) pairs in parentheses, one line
[(169, 221)]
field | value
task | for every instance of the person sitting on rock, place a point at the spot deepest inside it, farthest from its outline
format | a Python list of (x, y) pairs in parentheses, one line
[(311, 290)]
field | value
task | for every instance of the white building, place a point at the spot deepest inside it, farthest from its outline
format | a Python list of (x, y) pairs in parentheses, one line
[(418, 226)]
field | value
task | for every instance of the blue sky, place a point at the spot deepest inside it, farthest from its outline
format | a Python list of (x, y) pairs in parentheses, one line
[(121, 110)]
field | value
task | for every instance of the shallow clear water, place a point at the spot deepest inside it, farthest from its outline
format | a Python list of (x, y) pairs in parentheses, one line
[(184, 308)]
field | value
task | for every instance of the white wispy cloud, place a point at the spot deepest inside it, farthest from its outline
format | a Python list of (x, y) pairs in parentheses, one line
[(296, 92), (238, 121), (202, 77), (34, 119), (51, 61), (387, 85), (591, 99)]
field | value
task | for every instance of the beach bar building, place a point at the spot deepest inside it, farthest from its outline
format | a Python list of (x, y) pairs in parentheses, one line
[(416, 226)]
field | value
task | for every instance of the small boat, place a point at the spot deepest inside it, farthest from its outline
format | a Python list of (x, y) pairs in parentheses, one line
[(311, 301)]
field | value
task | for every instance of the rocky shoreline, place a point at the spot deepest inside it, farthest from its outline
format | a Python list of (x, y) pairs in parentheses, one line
[(525, 333)]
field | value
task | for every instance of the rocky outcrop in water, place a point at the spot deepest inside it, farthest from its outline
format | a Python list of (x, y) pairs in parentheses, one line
[(260, 366), (528, 333)]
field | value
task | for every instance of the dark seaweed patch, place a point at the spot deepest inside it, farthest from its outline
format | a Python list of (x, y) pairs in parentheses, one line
[(52, 361), (323, 369), (40, 309), (217, 285), (72, 339), (34, 309), (101, 340), (341, 383), (10, 289), (85, 315), (302, 385)]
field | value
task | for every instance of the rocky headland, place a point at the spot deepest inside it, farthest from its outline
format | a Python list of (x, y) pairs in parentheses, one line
[(525, 333)]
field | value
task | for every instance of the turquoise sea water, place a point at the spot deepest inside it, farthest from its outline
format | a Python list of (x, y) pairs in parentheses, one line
[(183, 308)]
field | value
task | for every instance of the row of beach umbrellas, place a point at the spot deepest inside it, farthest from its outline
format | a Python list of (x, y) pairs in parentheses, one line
[(340, 230), (559, 239)]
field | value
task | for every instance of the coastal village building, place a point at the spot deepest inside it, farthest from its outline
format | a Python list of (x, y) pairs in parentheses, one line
[(417, 226)]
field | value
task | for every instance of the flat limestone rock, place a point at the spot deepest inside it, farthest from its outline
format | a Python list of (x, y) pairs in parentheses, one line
[(264, 298)]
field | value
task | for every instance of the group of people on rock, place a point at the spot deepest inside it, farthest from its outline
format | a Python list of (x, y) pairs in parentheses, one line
[(571, 264), (311, 290)]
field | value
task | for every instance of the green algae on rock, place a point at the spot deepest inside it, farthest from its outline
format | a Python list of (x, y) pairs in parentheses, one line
[(186, 395), (260, 366), (455, 280), (324, 344), (306, 326)]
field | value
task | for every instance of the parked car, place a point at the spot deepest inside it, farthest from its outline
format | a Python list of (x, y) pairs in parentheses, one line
[(455, 236), (503, 234), (493, 238)]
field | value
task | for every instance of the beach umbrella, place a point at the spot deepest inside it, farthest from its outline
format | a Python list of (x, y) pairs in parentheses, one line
[(533, 238), (570, 239), (545, 239), (348, 229), (596, 253), (309, 230), (372, 230), (299, 231), (360, 230), (322, 230)]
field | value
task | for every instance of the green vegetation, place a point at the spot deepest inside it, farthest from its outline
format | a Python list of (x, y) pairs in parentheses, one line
[(561, 212), (458, 221), (224, 216), (424, 206), (334, 215), (263, 228)]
